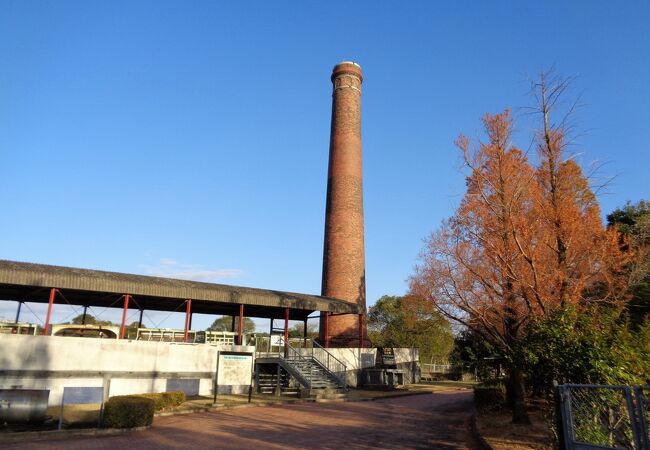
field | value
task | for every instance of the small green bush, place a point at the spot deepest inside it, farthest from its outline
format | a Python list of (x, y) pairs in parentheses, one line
[(488, 398), (165, 400), (128, 411), (175, 398)]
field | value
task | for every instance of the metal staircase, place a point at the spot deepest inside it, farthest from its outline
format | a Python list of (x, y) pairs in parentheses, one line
[(307, 370)]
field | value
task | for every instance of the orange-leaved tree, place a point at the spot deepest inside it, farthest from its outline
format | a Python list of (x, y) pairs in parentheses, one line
[(523, 242)]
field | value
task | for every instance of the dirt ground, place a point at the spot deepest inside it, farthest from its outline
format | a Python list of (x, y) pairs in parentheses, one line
[(499, 431), (431, 420)]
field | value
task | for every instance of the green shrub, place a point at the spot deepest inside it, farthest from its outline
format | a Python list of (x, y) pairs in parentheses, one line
[(175, 398), (165, 400), (487, 398), (128, 411), (592, 346)]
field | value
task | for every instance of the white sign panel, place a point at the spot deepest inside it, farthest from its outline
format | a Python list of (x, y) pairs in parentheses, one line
[(234, 369), (83, 395)]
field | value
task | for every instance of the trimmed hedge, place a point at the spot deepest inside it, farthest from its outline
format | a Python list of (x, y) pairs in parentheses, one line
[(489, 397), (165, 400), (128, 411)]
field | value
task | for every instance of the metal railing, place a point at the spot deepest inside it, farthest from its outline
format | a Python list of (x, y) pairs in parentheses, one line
[(331, 363), (292, 353), (303, 349), (604, 417)]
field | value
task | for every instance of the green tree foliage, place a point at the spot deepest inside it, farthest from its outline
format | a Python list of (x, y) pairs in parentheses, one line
[(596, 346), (475, 353), (224, 323), (91, 320), (628, 218), (633, 224), (410, 322), (298, 330)]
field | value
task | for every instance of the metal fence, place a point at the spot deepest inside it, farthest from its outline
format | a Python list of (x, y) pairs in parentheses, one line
[(604, 417)]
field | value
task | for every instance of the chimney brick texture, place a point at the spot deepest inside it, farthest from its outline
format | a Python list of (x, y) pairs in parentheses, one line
[(343, 254)]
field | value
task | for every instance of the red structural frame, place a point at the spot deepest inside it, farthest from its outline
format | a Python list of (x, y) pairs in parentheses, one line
[(46, 328), (286, 326), (327, 330), (361, 343), (127, 297), (188, 318), (241, 325)]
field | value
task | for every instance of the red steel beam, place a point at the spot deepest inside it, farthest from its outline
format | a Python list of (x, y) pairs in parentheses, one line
[(241, 324), (46, 328), (126, 309), (188, 315)]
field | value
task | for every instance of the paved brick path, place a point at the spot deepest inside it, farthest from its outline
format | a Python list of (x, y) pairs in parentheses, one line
[(439, 420)]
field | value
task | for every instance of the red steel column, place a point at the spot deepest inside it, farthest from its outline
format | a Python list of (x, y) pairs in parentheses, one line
[(361, 328), (286, 326), (343, 251), (188, 315), (241, 324), (46, 328), (327, 330), (126, 309)]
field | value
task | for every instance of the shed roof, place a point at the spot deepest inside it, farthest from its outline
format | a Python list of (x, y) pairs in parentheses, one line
[(31, 282)]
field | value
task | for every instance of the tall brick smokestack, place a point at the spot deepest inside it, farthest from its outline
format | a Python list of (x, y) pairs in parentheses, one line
[(343, 255)]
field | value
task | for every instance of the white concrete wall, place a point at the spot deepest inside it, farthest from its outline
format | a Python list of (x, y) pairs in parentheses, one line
[(50, 353)]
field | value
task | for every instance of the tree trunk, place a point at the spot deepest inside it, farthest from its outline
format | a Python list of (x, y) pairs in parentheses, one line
[(517, 396)]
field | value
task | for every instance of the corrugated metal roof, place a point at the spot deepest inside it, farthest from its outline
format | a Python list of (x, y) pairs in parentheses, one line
[(25, 279)]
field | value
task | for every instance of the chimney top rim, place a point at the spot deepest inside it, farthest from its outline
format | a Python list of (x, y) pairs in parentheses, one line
[(342, 63)]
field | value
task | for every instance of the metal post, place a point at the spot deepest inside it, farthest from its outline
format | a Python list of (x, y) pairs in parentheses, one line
[(285, 335), (20, 304), (83, 318), (642, 415), (216, 379), (270, 334), (361, 330), (61, 412), (188, 313), (140, 319), (241, 325), (126, 309), (232, 325), (327, 330), (46, 328), (305, 333)]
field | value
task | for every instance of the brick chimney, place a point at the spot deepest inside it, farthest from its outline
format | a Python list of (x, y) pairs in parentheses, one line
[(343, 254)]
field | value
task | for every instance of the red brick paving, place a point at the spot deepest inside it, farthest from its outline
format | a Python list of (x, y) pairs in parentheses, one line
[(439, 420)]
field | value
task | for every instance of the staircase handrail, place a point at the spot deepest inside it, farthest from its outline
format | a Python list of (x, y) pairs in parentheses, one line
[(296, 354), (334, 366), (314, 343)]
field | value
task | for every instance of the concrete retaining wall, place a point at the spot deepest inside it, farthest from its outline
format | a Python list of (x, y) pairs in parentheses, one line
[(121, 366)]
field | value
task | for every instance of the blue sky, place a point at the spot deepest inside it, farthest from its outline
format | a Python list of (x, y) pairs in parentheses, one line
[(191, 138)]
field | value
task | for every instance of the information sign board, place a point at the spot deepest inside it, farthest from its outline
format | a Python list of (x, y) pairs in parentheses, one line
[(234, 369)]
